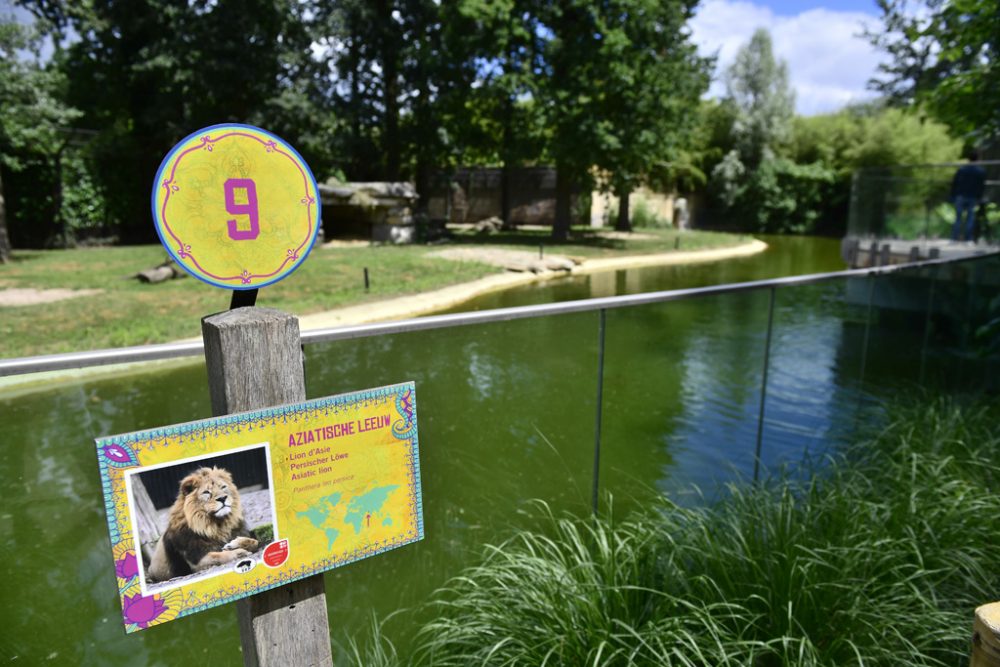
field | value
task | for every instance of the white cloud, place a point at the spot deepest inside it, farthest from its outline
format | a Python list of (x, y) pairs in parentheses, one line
[(829, 62)]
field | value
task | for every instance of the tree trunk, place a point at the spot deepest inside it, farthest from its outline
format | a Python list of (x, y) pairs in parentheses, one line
[(4, 239), (508, 154), (390, 90), (564, 193), (623, 224), (61, 223), (505, 174), (424, 148)]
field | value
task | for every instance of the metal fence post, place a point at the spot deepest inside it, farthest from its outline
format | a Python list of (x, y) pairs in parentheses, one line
[(864, 347), (927, 324), (594, 492), (763, 385)]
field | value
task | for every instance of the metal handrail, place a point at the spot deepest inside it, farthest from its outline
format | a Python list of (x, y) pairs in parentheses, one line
[(146, 353)]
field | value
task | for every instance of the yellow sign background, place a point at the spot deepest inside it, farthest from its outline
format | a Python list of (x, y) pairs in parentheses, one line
[(326, 457), (236, 206)]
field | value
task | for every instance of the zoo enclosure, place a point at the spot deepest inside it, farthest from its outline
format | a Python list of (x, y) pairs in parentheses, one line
[(946, 305)]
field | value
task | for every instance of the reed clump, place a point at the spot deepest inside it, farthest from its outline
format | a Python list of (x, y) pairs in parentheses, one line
[(879, 559)]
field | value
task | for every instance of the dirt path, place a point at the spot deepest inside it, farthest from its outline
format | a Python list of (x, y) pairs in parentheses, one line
[(30, 296)]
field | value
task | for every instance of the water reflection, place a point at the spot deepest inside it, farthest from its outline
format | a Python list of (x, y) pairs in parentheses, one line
[(506, 415)]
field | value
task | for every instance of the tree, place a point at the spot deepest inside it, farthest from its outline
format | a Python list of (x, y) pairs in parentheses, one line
[(752, 185), (502, 121), (34, 119), (621, 85), (868, 135), (651, 98), (147, 74), (945, 57), (400, 68), (757, 84)]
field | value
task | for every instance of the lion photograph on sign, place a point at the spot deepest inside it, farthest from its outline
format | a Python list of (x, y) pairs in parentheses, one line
[(206, 527), (202, 517)]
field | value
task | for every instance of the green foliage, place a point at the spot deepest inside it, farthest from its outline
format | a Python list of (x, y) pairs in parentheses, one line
[(802, 183), (84, 209), (33, 117), (871, 136), (757, 85), (945, 57), (782, 197), (879, 558), (758, 191), (264, 534), (642, 216), (623, 85), (147, 74)]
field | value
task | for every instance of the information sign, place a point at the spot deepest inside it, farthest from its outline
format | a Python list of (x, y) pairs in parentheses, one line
[(204, 513), (236, 206)]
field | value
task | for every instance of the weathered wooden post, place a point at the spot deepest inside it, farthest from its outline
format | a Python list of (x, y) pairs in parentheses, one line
[(986, 636), (254, 360)]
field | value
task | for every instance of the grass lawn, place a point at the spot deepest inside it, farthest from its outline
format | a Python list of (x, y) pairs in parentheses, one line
[(128, 312)]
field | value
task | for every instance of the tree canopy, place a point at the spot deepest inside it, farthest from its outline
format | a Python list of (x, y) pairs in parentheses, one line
[(945, 57), (608, 91)]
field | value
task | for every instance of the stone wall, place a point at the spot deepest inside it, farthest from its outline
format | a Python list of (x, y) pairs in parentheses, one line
[(380, 211), (473, 194)]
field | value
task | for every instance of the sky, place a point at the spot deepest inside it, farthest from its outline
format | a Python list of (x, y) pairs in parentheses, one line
[(829, 63)]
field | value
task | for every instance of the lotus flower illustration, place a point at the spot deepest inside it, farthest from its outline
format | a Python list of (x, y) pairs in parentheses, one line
[(142, 610), (126, 567)]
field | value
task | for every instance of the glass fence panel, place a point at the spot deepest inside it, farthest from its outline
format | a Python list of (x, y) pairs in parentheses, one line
[(682, 395), (963, 344), (917, 202), (812, 376), (55, 550), (889, 343), (506, 415)]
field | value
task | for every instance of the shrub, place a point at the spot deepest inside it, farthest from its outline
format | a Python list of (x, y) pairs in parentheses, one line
[(642, 216), (879, 558)]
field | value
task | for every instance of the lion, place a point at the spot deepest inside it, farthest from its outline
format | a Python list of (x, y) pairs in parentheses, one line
[(205, 527)]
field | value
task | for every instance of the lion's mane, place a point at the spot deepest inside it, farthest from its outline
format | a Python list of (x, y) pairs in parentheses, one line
[(198, 524)]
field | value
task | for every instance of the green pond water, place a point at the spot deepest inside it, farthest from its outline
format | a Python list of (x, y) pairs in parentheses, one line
[(507, 414)]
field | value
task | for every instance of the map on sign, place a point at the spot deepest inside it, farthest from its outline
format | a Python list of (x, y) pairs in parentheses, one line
[(236, 206), (208, 512)]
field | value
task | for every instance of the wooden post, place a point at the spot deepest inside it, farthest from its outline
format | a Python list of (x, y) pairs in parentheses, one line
[(853, 250), (986, 636), (254, 361)]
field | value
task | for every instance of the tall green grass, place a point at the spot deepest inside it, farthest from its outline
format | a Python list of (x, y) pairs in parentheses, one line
[(878, 559)]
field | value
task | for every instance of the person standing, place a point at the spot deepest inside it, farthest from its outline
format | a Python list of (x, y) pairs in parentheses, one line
[(966, 190)]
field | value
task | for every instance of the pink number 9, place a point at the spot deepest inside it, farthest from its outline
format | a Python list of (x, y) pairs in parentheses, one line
[(250, 208)]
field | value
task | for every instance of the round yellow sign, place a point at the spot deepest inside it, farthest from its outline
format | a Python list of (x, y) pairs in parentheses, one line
[(236, 206)]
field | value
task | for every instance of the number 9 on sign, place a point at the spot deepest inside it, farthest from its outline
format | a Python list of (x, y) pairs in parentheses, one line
[(250, 208), (236, 206)]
